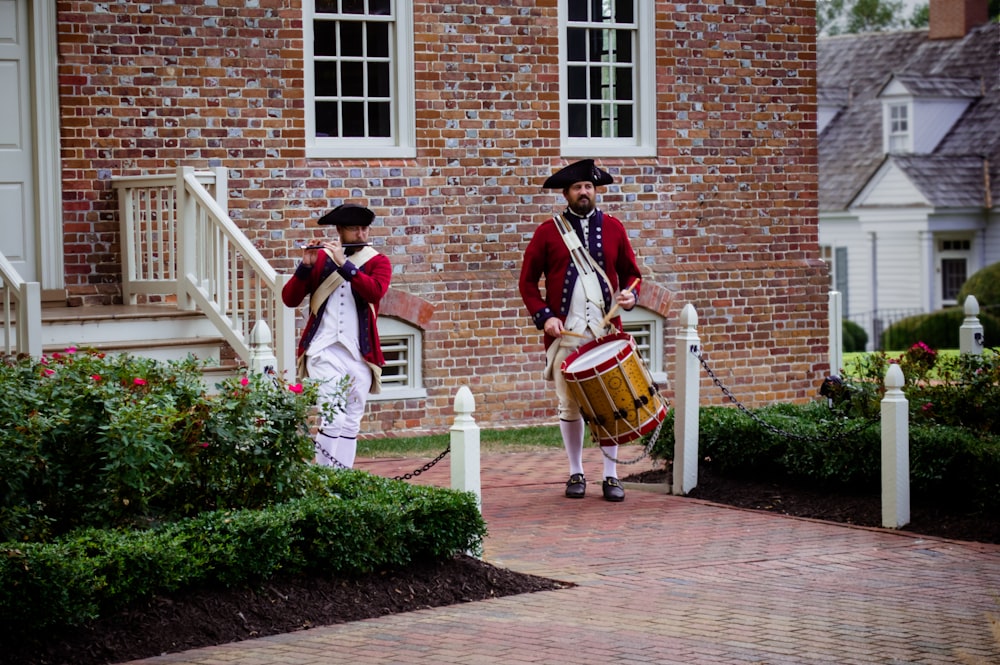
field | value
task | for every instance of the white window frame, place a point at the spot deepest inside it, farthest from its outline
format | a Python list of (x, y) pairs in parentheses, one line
[(643, 143), (898, 127), (391, 332), (402, 143), (642, 323), (956, 249)]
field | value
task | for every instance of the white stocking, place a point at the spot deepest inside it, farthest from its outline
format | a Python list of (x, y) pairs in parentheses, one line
[(610, 465), (572, 436)]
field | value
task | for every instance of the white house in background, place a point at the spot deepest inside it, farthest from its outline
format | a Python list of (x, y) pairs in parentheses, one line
[(909, 162)]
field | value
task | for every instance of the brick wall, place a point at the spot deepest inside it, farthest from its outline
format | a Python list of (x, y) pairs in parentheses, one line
[(725, 217)]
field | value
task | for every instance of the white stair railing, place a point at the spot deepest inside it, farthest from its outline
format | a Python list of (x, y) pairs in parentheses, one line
[(22, 312), (178, 238)]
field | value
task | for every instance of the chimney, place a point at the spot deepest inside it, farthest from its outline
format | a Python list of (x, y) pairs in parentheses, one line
[(953, 19)]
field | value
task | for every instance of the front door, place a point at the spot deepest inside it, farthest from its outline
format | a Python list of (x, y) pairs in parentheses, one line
[(18, 232)]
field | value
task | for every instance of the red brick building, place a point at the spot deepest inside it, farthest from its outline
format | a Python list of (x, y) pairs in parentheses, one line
[(444, 118)]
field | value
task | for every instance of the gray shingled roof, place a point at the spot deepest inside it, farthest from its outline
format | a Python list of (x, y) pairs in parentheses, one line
[(850, 147), (938, 86)]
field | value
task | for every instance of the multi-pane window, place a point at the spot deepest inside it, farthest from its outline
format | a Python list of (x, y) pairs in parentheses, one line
[(899, 128), (608, 61), (600, 68), (359, 78)]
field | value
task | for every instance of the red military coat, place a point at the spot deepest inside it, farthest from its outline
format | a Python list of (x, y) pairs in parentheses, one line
[(368, 283), (548, 256)]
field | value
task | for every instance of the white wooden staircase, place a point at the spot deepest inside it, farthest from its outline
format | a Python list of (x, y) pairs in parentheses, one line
[(158, 331), (180, 246)]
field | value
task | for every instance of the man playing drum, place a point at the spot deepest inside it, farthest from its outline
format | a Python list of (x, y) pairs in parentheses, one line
[(587, 260)]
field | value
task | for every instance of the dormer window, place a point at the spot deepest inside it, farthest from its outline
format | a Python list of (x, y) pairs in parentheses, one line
[(918, 111), (899, 128)]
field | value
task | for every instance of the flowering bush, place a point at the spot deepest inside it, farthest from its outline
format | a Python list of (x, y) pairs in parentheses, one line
[(917, 363), (88, 439), (961, 391)]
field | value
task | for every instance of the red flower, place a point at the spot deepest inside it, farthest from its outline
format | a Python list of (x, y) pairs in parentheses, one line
[(244, 381), (295, 388), (139, 382), (95, 377)]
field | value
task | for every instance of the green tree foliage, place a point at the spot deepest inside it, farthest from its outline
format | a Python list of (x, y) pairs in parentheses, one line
[(835, 17)]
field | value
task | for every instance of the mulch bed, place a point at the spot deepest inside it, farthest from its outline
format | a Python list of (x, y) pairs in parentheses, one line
[(928, 518), (205, 618)]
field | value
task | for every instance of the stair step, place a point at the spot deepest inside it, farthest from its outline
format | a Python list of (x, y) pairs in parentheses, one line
[(175, 348), (117, 325)]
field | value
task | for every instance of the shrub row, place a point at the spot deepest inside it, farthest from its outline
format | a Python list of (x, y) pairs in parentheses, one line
[(939, 330), (359, 524), (954, 465)]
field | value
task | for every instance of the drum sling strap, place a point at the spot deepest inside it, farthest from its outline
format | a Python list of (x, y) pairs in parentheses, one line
[(319, 296), (589, 270)]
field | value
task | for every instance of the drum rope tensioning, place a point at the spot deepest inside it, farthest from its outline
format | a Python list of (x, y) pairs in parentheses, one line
[(617, 396)]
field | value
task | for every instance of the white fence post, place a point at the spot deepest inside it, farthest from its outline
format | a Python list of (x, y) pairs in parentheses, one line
[(688, 385), (465, 470), (262, 358), (836, 349), (895, 451), (970, 335)]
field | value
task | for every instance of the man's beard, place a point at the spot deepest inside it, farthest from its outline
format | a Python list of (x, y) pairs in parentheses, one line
[(581, 207)]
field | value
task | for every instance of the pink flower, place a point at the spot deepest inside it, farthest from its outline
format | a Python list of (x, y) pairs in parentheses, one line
[(244, 381), (139, 382), (70, 349), (204, 444), (295, 388), (95, 377), (49, 372)]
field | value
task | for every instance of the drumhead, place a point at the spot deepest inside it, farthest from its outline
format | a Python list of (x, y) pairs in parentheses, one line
[(593, 357)]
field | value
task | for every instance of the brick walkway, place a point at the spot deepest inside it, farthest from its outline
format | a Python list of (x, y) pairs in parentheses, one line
[(664, 579)]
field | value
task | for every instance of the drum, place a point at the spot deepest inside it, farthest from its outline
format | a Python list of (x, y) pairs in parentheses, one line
[(616, 393)]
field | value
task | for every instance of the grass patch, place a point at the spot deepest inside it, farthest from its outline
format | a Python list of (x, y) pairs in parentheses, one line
[(851, 358), (490, 441)]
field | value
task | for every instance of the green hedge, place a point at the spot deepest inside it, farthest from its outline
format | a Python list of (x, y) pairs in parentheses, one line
[(984, 284), (359, 524), (854, 337), (938, 330), (812, 443)]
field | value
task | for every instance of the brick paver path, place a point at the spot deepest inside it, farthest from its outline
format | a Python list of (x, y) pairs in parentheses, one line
[(664, 579)]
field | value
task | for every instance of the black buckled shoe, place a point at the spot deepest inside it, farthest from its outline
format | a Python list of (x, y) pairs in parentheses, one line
[(576, 486), (613, 490)]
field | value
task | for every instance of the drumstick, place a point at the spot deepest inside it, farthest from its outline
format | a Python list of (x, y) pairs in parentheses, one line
[(610, 315), (573, 334)]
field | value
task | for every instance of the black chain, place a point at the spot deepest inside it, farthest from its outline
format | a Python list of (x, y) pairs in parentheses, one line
[(766, 425), (425, 467), (647, 449), (406, 476)]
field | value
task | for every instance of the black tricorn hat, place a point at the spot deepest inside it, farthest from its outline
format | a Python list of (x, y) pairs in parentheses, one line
[(348, 214), (583, 171)]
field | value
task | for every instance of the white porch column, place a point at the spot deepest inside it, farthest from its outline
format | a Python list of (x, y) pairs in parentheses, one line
[(928, 272)]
